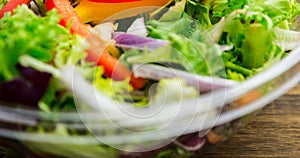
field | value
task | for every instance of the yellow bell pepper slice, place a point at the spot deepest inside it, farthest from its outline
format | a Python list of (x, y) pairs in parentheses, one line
[(91, 11)]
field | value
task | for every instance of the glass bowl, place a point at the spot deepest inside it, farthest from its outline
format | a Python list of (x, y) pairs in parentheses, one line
[(34, 133)]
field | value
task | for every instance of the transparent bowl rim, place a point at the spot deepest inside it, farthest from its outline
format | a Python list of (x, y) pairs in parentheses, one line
[(232, 93)]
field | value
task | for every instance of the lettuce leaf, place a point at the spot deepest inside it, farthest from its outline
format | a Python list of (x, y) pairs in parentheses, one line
[(239, 23), (41, 43), (222, 8), (190, 47), (277, 10), (26, 33)]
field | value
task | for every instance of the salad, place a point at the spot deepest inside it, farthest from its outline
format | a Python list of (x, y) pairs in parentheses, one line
[(124, 48)]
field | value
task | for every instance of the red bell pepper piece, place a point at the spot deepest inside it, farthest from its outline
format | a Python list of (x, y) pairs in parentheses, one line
[(65, 9), (11, 5), (97, 52)]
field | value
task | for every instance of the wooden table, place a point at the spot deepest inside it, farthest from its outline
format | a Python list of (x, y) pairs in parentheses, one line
[(274, 133)]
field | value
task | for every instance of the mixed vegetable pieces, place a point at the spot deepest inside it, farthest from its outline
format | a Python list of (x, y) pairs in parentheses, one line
[(227, 40), (233, 40)]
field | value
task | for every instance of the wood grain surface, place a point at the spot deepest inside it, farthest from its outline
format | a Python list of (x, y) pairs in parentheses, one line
[(275, 132)]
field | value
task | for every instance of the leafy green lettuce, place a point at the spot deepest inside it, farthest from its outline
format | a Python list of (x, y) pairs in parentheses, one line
[(249, 26), (26, 33), (41, 43), (190, 45)]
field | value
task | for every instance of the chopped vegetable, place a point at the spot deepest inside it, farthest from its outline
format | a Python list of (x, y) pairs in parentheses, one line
[(192, 142), (89, 11), (201, 83), (189, 47), (126, 40), (34, 31), (246, 99), (27, 89), (138, 27), (213, 138), (69, 17), (46, 41), (97, 50), (120, 90)]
